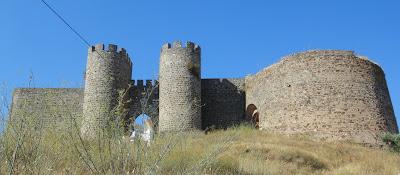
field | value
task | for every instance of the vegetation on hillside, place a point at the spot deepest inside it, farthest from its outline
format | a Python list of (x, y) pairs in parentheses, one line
[(393, 141), (238, 150)]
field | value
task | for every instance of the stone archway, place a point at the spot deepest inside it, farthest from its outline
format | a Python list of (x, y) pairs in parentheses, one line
[(253, 116), (143, 122)]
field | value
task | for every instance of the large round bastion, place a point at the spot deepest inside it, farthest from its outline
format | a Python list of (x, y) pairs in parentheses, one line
[(329, 94)]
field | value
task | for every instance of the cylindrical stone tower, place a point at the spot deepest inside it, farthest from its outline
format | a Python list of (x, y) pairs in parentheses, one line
[(107, 73), (180, 87)]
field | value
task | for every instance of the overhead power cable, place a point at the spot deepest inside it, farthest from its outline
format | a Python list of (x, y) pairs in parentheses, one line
[(69, 26), (66, 23)]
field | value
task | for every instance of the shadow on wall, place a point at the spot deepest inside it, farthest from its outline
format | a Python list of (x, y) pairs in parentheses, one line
[(223, 102)]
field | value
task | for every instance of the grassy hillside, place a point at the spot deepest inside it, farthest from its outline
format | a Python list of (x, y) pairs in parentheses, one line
[(239, 150), (256, 152)]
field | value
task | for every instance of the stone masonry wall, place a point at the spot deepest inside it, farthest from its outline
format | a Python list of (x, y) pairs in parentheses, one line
[(328, 94), (223, 102), (108, 71), (50, 108), (180, 87), (144, 99)]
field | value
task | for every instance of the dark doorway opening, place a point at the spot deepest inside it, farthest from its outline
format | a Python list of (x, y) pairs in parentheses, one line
[(253, 116)]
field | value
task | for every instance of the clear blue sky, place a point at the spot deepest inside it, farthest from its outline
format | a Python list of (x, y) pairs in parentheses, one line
[(237, 37)]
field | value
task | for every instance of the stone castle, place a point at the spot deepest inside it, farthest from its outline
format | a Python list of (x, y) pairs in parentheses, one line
[(328, 94)]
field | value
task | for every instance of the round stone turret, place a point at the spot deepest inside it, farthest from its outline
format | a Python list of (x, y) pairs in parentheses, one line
[(180, 87), (108, 72)]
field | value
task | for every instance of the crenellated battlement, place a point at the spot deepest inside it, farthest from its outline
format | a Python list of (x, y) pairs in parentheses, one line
[(178, 45), (144, 84), (112, 48), (141, 87)]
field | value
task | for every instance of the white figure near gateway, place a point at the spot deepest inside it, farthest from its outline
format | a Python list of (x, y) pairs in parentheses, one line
[(142, 129)]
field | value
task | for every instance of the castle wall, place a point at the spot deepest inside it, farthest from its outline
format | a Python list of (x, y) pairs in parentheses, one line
[(50, 108), (329, 94), (180, 87), (144, 96), (108, 72), (223, 102)]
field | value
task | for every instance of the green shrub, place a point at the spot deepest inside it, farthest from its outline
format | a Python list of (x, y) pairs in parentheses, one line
[(393, 141)]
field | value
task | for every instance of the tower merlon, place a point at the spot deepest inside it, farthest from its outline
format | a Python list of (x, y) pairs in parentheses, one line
[(122, 51), (99, 47), (197, 48), (112, 48), (139, 83), (192, 46), (124, 55), (149, 84), (166, 46), (178, 44)]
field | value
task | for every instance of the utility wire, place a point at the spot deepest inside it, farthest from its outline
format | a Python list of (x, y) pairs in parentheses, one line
[(69, 26), (66, 23)]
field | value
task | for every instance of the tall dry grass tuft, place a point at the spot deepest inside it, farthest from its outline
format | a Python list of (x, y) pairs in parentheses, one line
[(30, 146)]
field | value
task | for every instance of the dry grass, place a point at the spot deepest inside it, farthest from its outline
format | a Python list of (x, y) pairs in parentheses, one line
[(239, 150), (258, 152)]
